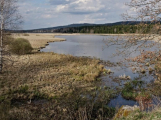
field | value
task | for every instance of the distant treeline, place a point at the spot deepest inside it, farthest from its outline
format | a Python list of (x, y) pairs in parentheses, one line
[(115, 28), (118, 29)]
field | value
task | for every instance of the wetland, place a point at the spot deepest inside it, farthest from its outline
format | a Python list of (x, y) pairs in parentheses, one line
[(72, 75), (94, 46)]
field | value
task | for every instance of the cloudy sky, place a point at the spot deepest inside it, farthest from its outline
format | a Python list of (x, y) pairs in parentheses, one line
[(51, 13)]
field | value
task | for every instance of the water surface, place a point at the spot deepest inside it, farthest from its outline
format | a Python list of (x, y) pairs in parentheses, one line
[(86, 45), (94, 46)]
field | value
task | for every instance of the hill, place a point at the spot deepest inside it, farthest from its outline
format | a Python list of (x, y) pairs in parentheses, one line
[(87, 28)]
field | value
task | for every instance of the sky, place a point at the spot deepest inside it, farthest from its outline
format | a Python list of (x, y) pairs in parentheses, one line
[(51, 13)]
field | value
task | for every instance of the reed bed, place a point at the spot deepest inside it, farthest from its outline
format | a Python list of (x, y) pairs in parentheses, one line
[(50, 74)]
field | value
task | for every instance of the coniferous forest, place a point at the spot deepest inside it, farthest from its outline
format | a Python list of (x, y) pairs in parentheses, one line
[(99, 29)]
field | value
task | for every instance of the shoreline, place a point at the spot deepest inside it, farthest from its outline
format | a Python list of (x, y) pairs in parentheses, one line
[(51, 73), (41, 40), (47, 69)]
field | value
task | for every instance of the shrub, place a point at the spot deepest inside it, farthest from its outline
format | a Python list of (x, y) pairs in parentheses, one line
[(131, 89), (20, 46), (7, 39)]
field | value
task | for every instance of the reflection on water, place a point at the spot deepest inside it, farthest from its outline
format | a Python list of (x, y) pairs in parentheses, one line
[(119, 101), (85, 45), (94, 46)]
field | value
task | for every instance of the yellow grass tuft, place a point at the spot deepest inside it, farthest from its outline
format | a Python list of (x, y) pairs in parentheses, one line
[(50, 73)]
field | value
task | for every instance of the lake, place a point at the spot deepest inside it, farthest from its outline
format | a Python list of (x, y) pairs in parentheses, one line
[(85, 45), (95, 46)]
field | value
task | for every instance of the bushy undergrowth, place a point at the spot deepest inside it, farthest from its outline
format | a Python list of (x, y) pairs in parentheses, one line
[(20, 46), (131, 89), (74, 106), (138, 115), (155, 87)]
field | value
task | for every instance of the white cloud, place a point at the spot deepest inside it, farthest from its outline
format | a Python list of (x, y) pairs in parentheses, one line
[(81, 7), (87, 19), (46, 13), (46, 16)]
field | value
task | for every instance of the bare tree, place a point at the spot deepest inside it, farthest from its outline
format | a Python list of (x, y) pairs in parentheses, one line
[(10, 19), (145, 10), (147, 13)]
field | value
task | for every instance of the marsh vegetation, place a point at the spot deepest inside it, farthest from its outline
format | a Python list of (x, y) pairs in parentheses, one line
[(49, 85)]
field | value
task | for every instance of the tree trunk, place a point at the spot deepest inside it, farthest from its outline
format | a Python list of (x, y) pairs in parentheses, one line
[(1, 41)]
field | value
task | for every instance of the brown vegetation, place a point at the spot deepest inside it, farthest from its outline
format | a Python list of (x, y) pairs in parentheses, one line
[(38, 40), (52, 86), (52, 74), (49, 73)]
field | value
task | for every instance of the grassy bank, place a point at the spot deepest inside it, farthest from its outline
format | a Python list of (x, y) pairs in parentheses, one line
[(38, 40), (56, 86), (52, 86), (137, 115), (49, 73)]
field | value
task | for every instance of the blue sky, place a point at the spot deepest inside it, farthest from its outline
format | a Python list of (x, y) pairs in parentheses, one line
[(50, 13)]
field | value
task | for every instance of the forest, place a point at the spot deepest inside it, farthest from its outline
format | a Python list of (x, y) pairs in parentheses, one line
[(100, 29), (116, 29)]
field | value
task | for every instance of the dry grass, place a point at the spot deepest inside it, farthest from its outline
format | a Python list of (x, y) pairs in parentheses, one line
[(137, 115), (60, 78), (39, 40), (49, 73), (155, 87), (49, 76)]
